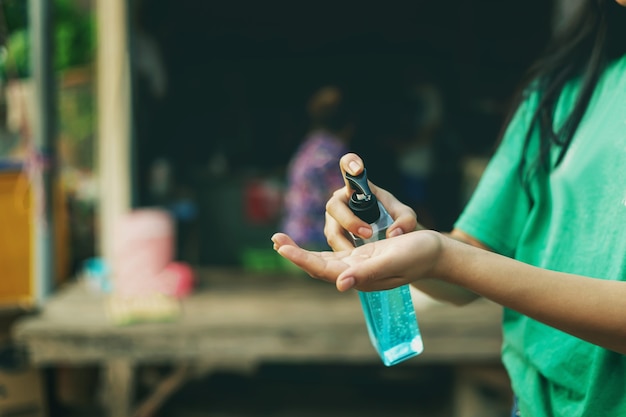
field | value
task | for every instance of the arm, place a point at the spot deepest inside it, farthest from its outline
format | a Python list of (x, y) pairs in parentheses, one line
[(589, 308)]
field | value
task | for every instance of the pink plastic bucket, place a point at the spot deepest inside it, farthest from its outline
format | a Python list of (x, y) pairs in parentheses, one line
[(143, 247)]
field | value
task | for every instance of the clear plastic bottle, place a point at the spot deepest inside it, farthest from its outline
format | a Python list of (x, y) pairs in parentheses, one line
[(389, 314)]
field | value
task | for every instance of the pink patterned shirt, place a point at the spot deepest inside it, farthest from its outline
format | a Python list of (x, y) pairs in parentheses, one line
[(313, 175)]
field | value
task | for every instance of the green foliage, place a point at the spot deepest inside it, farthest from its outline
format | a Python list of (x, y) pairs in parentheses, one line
[(16, 57), (74, 36)]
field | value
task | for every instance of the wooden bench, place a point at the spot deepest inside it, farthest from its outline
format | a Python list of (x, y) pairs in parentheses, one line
[(241, 318)]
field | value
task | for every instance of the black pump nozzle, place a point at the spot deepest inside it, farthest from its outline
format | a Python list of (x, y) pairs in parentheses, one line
[(362, 202)]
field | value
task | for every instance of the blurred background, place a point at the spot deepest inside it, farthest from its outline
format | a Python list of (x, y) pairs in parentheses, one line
[(217, 99), (219, 93), (221, 88)]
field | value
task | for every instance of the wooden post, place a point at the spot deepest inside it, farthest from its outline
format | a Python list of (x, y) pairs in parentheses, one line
[(118, 387), (42, 158), (114, 118)]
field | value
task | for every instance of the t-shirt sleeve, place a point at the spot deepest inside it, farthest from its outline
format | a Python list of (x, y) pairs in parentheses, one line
[(499, 207)]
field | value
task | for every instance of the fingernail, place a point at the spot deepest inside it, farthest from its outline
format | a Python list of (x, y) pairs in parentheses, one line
[(396, 232), (345, 284), (354, 167), (364, 232)]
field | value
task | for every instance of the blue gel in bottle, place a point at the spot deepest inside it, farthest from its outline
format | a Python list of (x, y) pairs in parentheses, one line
[(389, 314)]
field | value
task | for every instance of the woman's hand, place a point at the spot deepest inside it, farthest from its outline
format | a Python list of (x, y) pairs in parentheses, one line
[(375, 266), (339, 217)]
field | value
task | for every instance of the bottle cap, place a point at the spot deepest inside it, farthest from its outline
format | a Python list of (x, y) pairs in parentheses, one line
[(362, 202)]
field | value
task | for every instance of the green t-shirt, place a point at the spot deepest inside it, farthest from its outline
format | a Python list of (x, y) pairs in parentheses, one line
[(571, 220)]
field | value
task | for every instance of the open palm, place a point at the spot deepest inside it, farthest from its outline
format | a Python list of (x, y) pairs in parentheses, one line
[(375, 266)]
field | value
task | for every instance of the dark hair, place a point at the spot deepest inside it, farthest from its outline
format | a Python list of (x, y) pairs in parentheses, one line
[(583, 47), (329, 108)]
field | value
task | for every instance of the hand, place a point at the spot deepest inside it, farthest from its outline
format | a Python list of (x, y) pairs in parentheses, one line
[(375, 266), (339, 217)]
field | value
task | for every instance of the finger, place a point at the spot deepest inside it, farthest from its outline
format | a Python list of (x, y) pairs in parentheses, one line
[(352, 164), (325, 266), (314, 263), (336, 235), (404, 217), (337, 209), (351, 279), (371, 274), (281, 239)]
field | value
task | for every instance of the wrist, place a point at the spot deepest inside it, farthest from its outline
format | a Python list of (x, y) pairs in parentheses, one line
[(446, 259), (448, 266), (431, 245)]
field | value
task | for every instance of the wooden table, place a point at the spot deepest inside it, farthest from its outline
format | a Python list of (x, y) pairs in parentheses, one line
[(240, 318)]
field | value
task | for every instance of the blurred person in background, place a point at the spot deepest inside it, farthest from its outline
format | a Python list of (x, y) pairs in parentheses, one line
[(543, 234), (312, 173), (428, 157)]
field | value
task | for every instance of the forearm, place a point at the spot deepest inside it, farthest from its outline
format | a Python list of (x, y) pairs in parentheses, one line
[(443, 291), (589, 308)]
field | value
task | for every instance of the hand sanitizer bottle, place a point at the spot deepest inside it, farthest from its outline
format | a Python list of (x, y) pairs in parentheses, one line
[(389, 314)]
